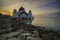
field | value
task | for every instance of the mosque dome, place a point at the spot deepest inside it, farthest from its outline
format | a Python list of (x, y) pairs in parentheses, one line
[(21, 8)]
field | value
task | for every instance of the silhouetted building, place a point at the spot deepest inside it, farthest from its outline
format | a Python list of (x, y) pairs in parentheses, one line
[(22, 16), (22, 13)]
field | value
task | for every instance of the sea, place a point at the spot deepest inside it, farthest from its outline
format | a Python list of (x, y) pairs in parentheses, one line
[(49, 22)]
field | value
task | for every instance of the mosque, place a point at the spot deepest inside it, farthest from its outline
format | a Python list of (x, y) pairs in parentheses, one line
[(22, 13), (22, 16)]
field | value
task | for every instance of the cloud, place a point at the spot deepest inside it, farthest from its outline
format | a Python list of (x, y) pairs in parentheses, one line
[(31, 2), (37, 6)]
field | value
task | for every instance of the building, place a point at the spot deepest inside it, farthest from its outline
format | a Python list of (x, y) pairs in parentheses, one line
[(22, 13)]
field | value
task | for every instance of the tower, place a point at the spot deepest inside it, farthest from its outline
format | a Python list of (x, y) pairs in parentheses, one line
[(15, 13), (30, 14)]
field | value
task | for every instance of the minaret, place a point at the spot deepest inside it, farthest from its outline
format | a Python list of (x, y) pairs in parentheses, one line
[(15, 14), (30, 14)]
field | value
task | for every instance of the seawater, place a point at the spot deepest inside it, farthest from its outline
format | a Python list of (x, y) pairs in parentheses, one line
[(52, 22)]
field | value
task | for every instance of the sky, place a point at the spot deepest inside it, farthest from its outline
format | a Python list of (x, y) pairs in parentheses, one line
[(38, 7)]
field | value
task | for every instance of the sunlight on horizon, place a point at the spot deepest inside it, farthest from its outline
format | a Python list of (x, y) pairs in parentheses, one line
[(39, 8)]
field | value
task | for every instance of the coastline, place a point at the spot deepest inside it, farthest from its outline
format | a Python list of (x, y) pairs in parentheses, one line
[(38, 31)]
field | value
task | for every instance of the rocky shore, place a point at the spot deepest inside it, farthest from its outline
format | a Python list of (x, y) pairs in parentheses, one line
[(13, 31), (16, 30)]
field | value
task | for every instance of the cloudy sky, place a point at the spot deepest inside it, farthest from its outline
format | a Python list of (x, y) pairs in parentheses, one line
[(38, 7)]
